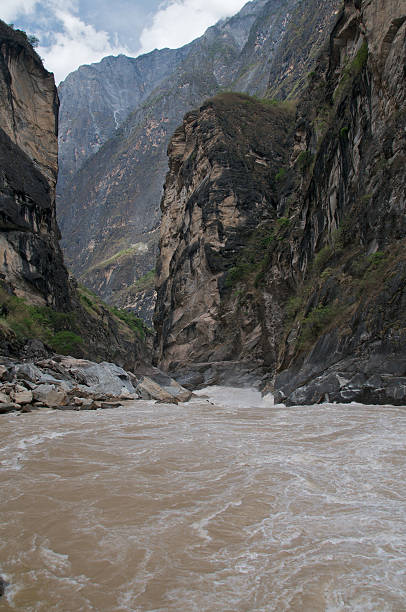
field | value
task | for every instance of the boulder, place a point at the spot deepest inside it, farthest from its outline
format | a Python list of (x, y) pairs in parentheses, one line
[(103, 378), (4, 398), (179, 392), (22, 397), (149, 389), (4, 408), (28, 371), (165, 382), (50, 396)]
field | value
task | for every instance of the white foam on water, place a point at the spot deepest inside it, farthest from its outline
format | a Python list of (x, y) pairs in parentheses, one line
[(54, 560), (202, 525), (236, 397)]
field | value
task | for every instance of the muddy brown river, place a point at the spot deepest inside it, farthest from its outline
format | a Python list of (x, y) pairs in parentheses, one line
[(230, 506)]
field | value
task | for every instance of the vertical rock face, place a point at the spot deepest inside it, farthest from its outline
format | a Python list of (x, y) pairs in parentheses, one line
[(31, 263), (30, 257), (220, 197), (109, 209), (347, 336), (320, 285), (96, 99)]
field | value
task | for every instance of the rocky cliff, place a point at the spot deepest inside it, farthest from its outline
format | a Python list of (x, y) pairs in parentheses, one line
[(30, 257), (109, 209), (221, 195), (296, 263), (38, 300)]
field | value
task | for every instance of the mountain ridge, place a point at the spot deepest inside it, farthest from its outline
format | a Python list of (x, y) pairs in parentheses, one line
[(123, 180)]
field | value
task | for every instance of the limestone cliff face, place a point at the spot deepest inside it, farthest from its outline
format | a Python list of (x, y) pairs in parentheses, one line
[(51, 307), (109, 209), (30, 257), (320, 287), (220, 196)]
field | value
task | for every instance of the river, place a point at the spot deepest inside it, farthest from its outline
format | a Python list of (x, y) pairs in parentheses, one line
[(231, 506)]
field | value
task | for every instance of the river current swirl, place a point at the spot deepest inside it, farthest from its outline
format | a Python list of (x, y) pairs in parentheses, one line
[(227, 505)]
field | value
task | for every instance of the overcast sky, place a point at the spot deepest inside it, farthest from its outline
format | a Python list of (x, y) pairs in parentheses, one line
[(76, 32)]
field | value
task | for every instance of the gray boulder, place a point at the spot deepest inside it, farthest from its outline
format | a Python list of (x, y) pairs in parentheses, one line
[(50, 395), (103, 378), (164, 390)]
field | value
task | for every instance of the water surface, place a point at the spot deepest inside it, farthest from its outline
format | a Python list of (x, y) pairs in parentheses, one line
[(231, 506)]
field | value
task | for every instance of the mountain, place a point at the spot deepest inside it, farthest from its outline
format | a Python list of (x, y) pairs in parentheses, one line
[(283, 234), (38, 299), (108, 203)]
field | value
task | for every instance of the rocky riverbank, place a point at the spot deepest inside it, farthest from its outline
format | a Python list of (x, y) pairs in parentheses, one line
[(67, 383)]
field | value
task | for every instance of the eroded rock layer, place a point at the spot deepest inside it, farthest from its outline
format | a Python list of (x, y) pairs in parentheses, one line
[(113, 165), (309, 279), (38, 300), (30, 257), (220, 193)]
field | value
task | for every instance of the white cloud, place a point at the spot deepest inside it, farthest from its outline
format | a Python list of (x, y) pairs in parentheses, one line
[(181, 21), (70, 41), (77, 43), (10, 9)]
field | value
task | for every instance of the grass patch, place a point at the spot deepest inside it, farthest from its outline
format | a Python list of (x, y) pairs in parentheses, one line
[(351, 71), (304, 161), (65, 342), (146, 282), (280, 175), (316, 323), (56, 329), (136, 324)]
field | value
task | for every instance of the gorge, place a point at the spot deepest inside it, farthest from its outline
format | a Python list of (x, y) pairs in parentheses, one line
[(247, 454)]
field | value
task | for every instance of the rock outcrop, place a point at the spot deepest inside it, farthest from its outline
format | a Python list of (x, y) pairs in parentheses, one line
[(65, 383), (38, 300), (109, 210), (221, 195), (30, 257), (313, 289)]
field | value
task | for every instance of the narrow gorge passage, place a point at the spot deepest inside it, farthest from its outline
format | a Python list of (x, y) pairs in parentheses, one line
[(206, 507)]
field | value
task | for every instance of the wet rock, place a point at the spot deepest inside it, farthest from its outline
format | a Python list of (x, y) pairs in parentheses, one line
[(3, 585), (10, 407), (107, 405), (4, 398), (82, 401), (67, 407)]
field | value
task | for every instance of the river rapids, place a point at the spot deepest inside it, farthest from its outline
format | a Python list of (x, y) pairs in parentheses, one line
[(224, 504)]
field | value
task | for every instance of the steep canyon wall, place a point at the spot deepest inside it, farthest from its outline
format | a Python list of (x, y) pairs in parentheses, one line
[(312, 288)]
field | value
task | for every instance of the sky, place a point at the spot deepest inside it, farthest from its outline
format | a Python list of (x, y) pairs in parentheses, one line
[(76, 32)]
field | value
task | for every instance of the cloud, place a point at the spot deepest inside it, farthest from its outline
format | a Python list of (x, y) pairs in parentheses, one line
[(181, 21), (10, 9), (75, 44), (67, 40), (76, 32)]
